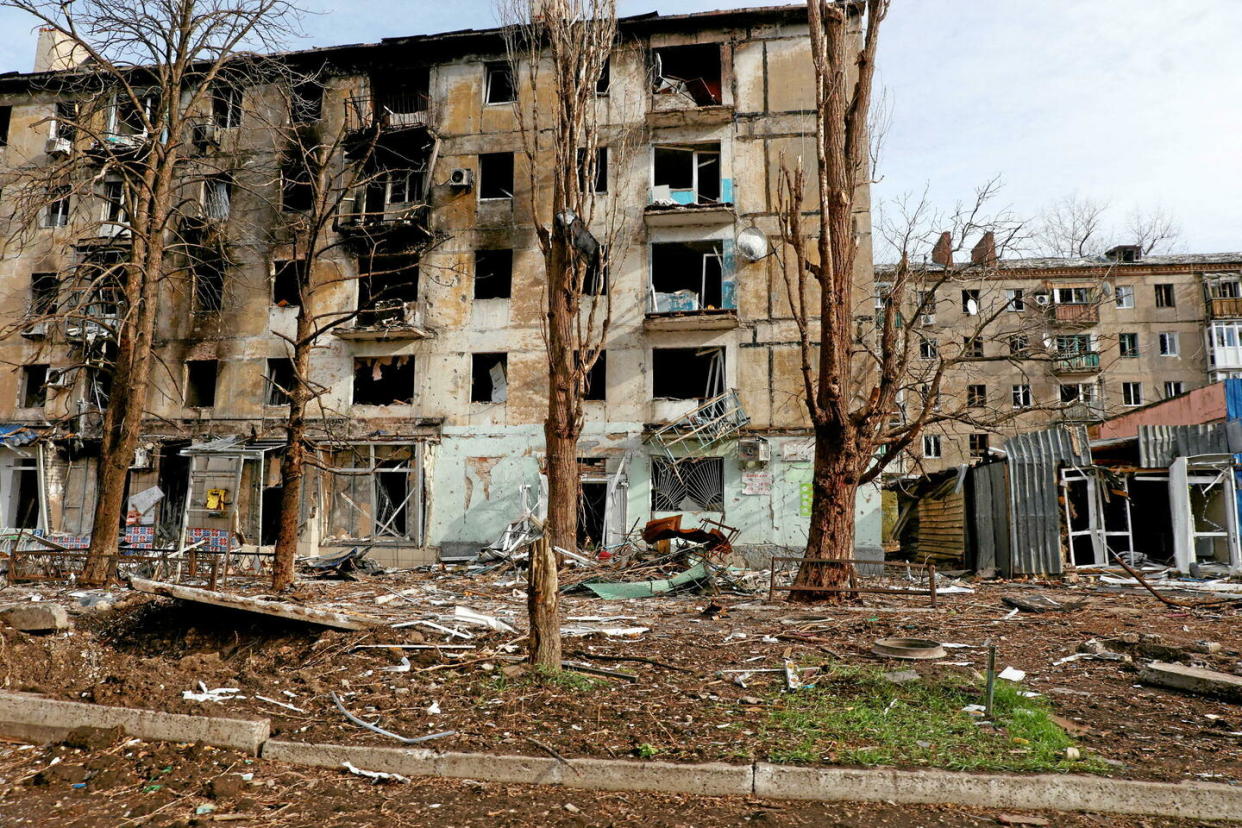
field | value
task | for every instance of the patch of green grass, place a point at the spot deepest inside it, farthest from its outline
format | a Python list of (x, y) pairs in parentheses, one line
[(646, 751), (854, 716), (540, 677)]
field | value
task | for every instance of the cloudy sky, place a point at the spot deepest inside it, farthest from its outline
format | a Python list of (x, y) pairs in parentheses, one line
[(1134, 102)]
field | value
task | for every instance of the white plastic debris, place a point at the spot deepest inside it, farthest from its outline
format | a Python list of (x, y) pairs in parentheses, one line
[(280, 704), (219, 694), (378, 776), (434, 709), (403, 667), (1012, 674), (469, 616)]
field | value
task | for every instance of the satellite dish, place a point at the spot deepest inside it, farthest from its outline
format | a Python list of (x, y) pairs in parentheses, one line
[(752, 244)]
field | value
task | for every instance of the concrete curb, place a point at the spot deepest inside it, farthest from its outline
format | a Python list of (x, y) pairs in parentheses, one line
[(33, 717), (26, 716)]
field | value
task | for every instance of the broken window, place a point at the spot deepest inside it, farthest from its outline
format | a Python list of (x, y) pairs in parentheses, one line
[(1014, 300), (687, 373), (56, 212), (1073, 344), (688, 276), (64, 125), (931, 446), (595, 383), (386, 380), (100, 363), (297, 184), (1168, 344), (24, 501), (34, 386), (489, 377), (493, 274), (226, 105), (604, 81), (217, 196), (498, 82), (597, 171), (287, 280), (387, 290), (1124, 296), (1128, 343), (200, 382), (496, 175), (928, 348), (1132, 393), (208, 275), (375, 492), (129, 118), (687, 485), (1165, 297), (976, 396), (970, 302), (686, 174), (595, 279), (978, 445), (1022, 396), (1072, 296), (6, 117), (972, 347), (114, 219), (306, 102), (403, 93), (1172, 388), (44, 288), (691, 73), (1019, 344), (280, 380), (1078, 392)]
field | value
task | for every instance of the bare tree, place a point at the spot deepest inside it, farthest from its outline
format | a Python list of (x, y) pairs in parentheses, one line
[(1154, 230), (558, 53), (147, 73), (1073, 226)]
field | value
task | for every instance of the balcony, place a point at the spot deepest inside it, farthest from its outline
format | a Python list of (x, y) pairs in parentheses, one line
[(1075, 315), (1089, 411), (397, 227), (371, 116), (1081, 363), (713, 421), (386, 321), (1227, 307)]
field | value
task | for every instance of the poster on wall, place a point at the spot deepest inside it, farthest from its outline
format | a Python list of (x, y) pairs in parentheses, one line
[(804, 492), (756, 483)]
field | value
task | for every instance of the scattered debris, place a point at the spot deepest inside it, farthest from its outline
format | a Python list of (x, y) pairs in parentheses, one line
[(1195, 680), (401, 667), (378, 776), (1012, 674), (469, 616), (376, 729), (342, 566), (279, 609), (1018, 819), (1038, 603), (220, 694), (901, 676), (908, 648), (43, 617)]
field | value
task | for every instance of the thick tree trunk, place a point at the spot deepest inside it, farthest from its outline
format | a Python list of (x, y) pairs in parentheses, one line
[(292, 465), (543, 607), (831, 535)]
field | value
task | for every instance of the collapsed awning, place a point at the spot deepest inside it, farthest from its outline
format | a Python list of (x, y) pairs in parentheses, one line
[(16, 434)]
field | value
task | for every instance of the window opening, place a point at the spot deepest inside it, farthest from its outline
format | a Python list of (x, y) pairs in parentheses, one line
[(496, 175), (386, 380), (499, 86), (287, 280), (687, 485), (200, 382), (688, 276), (692, 73), (387, 290), (280, 380), (687, 373), (489, 377), (686, 174), (493, 274), (1165, 297), (34, 386)]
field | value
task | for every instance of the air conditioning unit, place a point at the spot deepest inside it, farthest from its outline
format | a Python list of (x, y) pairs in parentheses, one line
[(461, 178), (1042, 298), (112, 230), (58, 378), (928, 319), (753, 451), (35, 330), (58, 147)]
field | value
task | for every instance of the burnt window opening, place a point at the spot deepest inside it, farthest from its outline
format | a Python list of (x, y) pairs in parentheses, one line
[(226, 105), (976, 396), (978, 445), (496, 175), (26, 494), (404, 92), (200, 382), (493, 274), (387, 290), (217, 196), (100, 364), (56, 212), (498, 82), (306, 102), (287, 280), (604, 82), (130, 119), (692, 73), (595, 178), (34, 386), (687, 485), (686, 174), (297, 184), (387, 380), (595, 383), (489, 377), (64, 126), (280, 380), (44, 288), (687, 276), (687, 373), (6, 117), (115, 219), (207, 271)]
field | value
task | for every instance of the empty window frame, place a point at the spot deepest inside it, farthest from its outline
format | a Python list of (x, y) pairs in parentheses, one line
[(114, 218), (493, 274), (970, 302), (226, 105), (6, 117), (978, 444), (208, 275), (217, 196), (1019, 345), (928, 348), (44, 288), (603, 83), (687, 373), (56, 212), (33, 392), (489, 377), (1221, 288), (972, 347), (931, 446), (496, 175), (1072, 295), (688, 277), (1015, 300), (1132, 393), (280, 380), (1079, 392), (593, 177), (976, 396), (288, 276), (686, 174), (1173, 388), (595, 279), (1021, 396), (375, 492), (1128, 344), (1168, 344), (386, 380), (64, 125), (1165, 297), (23, 489), (127, 119), (687, 485), (595, 383), (1123, 296), (297, 184), (200, 382), (498, 85), (1073, 344), (387, 290), (306, 102), (690, 73)]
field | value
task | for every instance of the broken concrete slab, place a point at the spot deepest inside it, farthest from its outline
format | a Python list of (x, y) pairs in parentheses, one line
[(35, 617), (1195, 680), (901, 676), (276, 609)]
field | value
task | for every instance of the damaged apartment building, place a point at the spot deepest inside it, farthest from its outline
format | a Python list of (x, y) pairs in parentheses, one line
[(428, 419)]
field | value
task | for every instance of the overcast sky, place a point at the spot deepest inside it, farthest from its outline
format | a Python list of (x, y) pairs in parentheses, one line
[(1133, 102)]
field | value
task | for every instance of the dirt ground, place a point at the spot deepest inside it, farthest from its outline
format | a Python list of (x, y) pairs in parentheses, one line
[(103, 783), (147, 652)]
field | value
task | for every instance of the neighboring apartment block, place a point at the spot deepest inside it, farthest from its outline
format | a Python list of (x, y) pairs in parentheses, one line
[(1074, 340), (432, 399)]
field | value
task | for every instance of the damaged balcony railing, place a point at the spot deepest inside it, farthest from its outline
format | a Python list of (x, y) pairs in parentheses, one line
[(715, 420), (403, 111)]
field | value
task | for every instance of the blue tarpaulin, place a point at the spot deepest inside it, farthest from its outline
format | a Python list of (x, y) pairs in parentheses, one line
[(16, 434)]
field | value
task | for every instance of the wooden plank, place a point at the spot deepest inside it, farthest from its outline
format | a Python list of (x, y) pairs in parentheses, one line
[(277, 609)]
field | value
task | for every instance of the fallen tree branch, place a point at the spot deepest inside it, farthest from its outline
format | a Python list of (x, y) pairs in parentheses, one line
[(1164, 599), (376, 729)]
